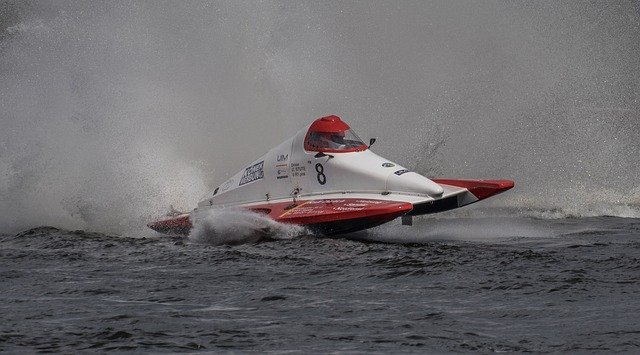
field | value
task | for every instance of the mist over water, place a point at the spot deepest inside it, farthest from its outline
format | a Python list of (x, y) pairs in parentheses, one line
[(113, 111)]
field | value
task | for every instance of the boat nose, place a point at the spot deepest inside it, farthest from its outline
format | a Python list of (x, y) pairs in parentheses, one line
[(408, 181)]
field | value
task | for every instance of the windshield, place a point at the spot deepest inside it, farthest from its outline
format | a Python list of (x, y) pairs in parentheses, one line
[(334, 141)]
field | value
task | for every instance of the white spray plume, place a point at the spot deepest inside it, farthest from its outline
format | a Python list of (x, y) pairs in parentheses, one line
[(234, 226)]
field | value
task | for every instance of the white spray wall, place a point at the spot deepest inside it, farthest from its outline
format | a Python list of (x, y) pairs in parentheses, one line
[(113, 111)]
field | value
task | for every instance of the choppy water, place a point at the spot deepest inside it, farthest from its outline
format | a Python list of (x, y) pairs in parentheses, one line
[(469, 284)]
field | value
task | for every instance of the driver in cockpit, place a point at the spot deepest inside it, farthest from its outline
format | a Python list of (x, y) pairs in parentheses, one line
[(330, 140)]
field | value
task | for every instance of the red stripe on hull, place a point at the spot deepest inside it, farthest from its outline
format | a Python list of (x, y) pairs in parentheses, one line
[(338, 216), (479, 188), (327, 210)]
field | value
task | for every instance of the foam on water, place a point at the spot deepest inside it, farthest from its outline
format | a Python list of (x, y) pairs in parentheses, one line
[(234, 226)]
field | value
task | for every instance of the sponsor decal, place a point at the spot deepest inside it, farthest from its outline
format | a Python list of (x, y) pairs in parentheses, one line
[(281, 171), (356, 205), (388, 165), (283, 157), (215, 191), (400, 172), (315, 202), (370, 202), (348, 209), (252, 173), (297, 170), (224, 187)]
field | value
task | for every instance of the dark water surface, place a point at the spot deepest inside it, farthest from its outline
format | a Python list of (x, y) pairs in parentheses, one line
[(514, 284)]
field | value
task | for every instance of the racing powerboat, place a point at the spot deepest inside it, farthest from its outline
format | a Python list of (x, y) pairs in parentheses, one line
[(327, 179)]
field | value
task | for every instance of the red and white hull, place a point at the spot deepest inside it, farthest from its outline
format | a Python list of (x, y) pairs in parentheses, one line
[(326, 179), (337, 214)]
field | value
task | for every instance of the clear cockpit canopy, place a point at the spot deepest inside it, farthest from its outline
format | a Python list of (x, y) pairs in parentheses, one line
[(330, 134), (330, 141)]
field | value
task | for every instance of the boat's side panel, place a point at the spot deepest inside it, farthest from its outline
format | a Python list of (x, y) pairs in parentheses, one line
[(362, 171), (268, 177)]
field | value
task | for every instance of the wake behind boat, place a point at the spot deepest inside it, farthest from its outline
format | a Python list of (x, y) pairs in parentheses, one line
[(327, 179)]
